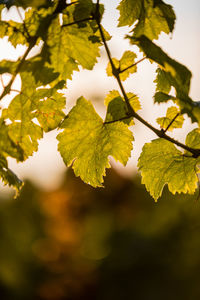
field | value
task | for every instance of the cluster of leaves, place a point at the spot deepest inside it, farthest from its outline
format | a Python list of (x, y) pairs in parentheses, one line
[(70, 36)]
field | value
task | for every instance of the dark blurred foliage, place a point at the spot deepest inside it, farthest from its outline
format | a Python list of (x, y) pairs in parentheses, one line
[(80, 243)]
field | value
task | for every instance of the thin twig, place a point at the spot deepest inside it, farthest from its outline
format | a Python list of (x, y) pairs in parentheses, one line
[(159, 133), (15, 91), (24, 25), (69, 4), (133, 65), (7, 88), (19, 13), (172, 121), (78, 21), (2, 83), (62, 5)]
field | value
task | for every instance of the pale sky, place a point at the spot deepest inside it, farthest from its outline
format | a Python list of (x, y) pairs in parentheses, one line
[(46, 166)]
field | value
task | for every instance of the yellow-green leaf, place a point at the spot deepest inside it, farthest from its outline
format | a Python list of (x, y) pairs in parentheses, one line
[(130, 11), (117, 108), (49, 110), (193, 139), (86, 143), (152, 17), (124, 65), (173, 117), (162, 163), (8, 177)]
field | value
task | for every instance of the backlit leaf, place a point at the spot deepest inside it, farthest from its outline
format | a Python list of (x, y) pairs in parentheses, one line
[(14, 31), (8, 66), (117, 108), (7, 147), (130, 11), (50, 110), (160, 97), (8, 177), (58, 43), (86, 143), (124, 65), (44, 104), (162, 163), (162, 81), (193, 139), (172, 115), (152, 17)]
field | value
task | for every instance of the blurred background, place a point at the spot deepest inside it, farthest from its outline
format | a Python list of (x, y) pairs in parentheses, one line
[(81, 243), (63, 240)]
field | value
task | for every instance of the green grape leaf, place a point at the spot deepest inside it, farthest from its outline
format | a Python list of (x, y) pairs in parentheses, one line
[(49, 111), (86, 143), (97, 33), (86, 9), (117, 108), (32, 21), (37, 21), (76, 45), (160, 97), (7, 147), (3, 29), (26, 135), (32, 3), (156, 17), (126, 61), (8, 66), (129, 12), (80, 46), (58, 44), (134, 101), (124, 65), (109, 67), (14, 31), (162, 163), (162, 81), (23, 131), (8, 177), (174, 115), (44, 104), (42, 74), (152, 17), (193, 139), (83, 9), (16, 34)]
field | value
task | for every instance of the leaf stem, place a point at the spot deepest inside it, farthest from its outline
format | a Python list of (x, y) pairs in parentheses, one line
[(2, 83), (133, 65), (172, 121), (24, 25), (116, 72), (78, 21), (7, 88)]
